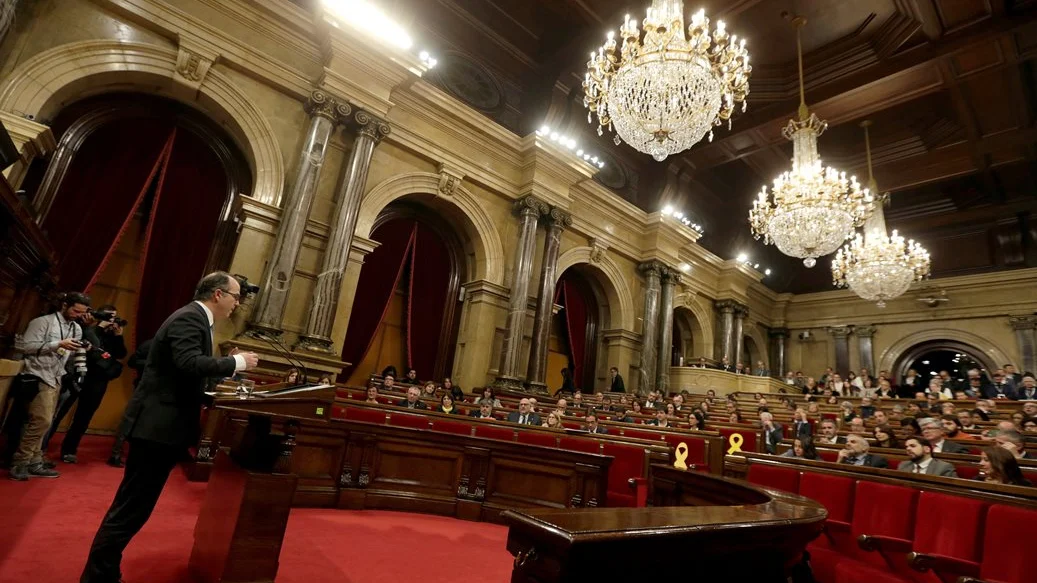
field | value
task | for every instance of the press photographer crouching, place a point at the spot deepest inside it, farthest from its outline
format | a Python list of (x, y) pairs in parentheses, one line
[(92, 368), (46, 346)]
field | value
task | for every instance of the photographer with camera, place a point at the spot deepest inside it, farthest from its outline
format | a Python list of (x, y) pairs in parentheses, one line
[(46, 345), (102, 332)]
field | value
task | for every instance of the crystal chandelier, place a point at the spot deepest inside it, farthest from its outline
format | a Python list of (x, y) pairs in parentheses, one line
[(815, 207), (878, 267), (663, 92)]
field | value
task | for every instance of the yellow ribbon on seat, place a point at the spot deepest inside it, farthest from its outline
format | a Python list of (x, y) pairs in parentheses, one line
[(735, 440), (681, 454)]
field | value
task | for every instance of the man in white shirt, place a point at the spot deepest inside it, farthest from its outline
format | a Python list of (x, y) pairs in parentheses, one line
[(922, 461)]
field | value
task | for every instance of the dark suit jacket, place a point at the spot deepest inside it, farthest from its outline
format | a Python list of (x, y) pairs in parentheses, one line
[(599, 429), (617, 385), (167, 404), (478, 415), (419, 404), (531, 418), (1021, 395), (776, 436), (953, 447), (802, 429), (990, 391), (873, 461)]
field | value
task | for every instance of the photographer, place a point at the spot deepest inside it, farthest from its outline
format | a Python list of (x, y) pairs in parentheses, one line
[(102, 329), (46, 346)]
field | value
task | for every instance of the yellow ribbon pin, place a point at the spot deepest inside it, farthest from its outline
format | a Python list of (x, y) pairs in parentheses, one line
[(735, 440), (681, 454), (320, 410)]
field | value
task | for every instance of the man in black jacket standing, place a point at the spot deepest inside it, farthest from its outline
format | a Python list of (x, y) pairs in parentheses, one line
[(165, 411), (617, 385)]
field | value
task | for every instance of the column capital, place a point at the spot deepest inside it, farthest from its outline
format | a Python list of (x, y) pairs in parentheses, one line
[(864, 331), (778, 332), (369, 126), (558, 219), (672, 276), (652, 268), (320, 104), (840, 332), (530, 205), (726, 306), (1023, 322)]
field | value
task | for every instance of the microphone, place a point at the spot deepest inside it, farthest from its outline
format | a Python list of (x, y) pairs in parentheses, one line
[(280, 349)]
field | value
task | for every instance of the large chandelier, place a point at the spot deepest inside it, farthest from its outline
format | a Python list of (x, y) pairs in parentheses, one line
[(878, 267), (815, 207), (663, 92)]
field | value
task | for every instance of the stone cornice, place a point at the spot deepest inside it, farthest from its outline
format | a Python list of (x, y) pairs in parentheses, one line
[(31, 138), (549, 172)]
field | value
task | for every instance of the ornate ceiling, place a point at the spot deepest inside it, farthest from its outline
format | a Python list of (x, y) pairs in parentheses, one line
[(951, 87)]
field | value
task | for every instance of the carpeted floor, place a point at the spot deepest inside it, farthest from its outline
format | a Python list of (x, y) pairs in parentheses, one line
[(46, 527)]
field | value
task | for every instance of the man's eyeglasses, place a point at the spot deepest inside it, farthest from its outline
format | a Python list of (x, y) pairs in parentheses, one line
[(236, 296)]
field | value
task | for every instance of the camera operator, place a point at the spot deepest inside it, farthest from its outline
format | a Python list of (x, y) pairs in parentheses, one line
[(46, 345), (102, 329)]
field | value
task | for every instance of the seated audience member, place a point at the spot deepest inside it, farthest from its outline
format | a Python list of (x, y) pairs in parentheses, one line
[(921, 460), (884, 437), (390, 371), (1030, 424), (911, 379), (760, 370), (790, 378), (412, 377), (534, 406), (372, 393), (429, 390), (857, 426), (671, 410), (1013, 441), (802, 448), (832, 400), (810, 387), (621, 416), (1000, 388), (934, 432), (606, 404), (446, 405), (525, 414), (947, 408), (829, 433), (813, 408), (649, 400), (838, 386), (635, 406), (914, 408), (1027, 391), (678, 403), (487, 395), (388, 382), (413, 400), (725, 365), (967, 422), (978, 386), (909, 426), (1017, 419), (999, 466), (741, 369), (661, 419), (325, 379), (937, 390), (801, 424), (553, 420), (880, 417), (454, 390), (896, 412), (953, 428), (696, 421), (562, 406), (867, 408), (704, 409), (578, 399), (291, 377), (702, 363), (856, 453), (735, 416), (485, 411), (592, 424), (772, 432), (885, 390)]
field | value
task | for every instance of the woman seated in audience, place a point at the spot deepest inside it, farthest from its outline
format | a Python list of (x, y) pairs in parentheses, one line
[(696, 421), (832, 400), (704, 408), (661, 419), (1017, 420), (847, 413), (635, 406), (855, 381), (553, 419), (488, 395), (810, 388), (325, 379), (735, 416), (999, 466), (884, 437), (446, 405), (813, 408), (671, 410), (454, 390), (372, 393), (1030, 425), (291, 377), (802, 448), (429, 390), (909, 427)]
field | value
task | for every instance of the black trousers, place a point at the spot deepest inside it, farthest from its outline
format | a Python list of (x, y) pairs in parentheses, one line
[(147, 468), (89, 398)]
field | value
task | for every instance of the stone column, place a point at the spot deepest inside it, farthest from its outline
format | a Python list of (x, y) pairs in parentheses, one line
[(529, 210), (669, 279), (652, 271), (352, 180), (725, 329), (1025, 328), (556, 221), (841, 334), (866, 347), (277, 282), (737, 336), (779, 341)]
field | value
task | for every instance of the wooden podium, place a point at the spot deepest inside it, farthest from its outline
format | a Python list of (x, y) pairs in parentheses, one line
[(241, 526)]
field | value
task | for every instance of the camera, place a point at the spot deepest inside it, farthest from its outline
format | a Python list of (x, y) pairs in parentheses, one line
[(108, 317), (247, 289), (79, 361)]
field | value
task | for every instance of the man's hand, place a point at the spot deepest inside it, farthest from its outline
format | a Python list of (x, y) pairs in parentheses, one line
[(251, 359), (116, 329), (842, 454), (70, 344)]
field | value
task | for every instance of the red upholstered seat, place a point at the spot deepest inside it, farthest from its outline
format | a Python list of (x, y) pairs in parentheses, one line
[(1030, 474), (538, 438), (828, 455), (779, 478), (696, 447), (836, 494), (495, 432), (571, 425), (408, 420), (881, 510), (584, 444), (641, 434), (748, 438), (949, 526), (448, 426), (857, 572), (365, 415), (967, 471), (1008, 554), (338, 411), (628, 463)]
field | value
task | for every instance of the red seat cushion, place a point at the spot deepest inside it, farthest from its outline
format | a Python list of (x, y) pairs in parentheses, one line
[(748, 438), (951, 526), (834, 492), (571, 425), (446, 426), (494, 432), (786, 479), (365, 415), (640, 434), (881, 510), (408, 420), (696, 447), (584, 444), (338, 411), (1007, 551), (628, 462), (538, 438), (851, 571)]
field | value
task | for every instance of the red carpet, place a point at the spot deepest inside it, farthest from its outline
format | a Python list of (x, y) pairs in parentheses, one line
[(46, 527)]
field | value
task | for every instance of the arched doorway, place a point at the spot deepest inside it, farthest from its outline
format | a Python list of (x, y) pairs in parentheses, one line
[(577, 329), (406, 307), (929, 358), (688, 344), (750, 353)]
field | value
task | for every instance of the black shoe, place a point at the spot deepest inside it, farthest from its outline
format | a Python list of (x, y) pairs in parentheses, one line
[(69, 458), (19, 473), (41, 471), (48, 464), (115, 462)]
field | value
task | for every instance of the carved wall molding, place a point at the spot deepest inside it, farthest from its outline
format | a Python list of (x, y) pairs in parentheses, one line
[(613, 281), (450, 178)]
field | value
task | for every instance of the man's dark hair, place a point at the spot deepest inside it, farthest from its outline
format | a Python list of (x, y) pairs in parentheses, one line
[(953, 418), (73, 298), (210, 283), (920, 441)]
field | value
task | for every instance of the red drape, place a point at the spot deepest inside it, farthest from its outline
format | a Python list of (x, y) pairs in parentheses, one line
[(379, 278), (576, 326), (427, 300)]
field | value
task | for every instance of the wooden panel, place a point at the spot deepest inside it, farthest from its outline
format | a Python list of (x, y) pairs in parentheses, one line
[(510, 482), (957, 14), (405, 465), (978, 58)]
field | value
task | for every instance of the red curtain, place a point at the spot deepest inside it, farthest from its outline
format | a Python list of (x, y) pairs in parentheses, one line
[(576, 327), (378, 280), (427, 300)]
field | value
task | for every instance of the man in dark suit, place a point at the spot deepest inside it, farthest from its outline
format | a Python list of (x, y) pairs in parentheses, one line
[(1027, 388), (413, 400), (856, 453), (165, 412), (592, 424), (485, 410), (773, 432), (829, 433), (802, 427), (617, 385), (935, 433), (922, 462), (525, 414)]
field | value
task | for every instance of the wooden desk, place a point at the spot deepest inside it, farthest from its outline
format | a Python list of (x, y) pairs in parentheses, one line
[(702, 526)]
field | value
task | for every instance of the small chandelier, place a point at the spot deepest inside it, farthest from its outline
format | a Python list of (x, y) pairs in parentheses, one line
[(662, 93), (815, 208), (876, 267)]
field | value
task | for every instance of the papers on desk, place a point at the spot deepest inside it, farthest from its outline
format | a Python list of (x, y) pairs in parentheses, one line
[(291, 390)]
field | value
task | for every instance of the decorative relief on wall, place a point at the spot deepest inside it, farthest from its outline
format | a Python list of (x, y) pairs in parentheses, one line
[(470, 82), (613, 175), (598, 249)]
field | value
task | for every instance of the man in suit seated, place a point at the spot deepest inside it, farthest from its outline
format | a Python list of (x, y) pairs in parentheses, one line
[(772, 432), (592, 424), (485, 410), (830, 433), (1027, 390), (922, 462), (799, 417), (934, 432), (413, 400), (856, 453), (525, 414)]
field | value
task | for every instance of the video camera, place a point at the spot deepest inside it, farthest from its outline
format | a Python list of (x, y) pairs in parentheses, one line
[(247, 289), (108, 317)]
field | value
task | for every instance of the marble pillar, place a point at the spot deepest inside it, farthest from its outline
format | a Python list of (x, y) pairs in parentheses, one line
[(841, 335), (724, 333), (865, 344), (738, 338), (369, 131), (779, 338), (536, 373), (669, 278), (652, 271), (1025, 328), (324, 112), (529, 210)]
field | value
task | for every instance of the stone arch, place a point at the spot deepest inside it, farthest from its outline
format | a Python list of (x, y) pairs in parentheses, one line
[(690, 301), (621, 303), (462, 205), (993, 354), (42, 85), (752, 332)]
